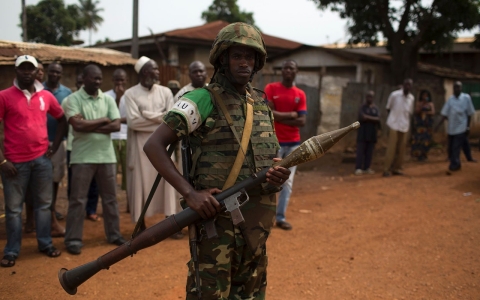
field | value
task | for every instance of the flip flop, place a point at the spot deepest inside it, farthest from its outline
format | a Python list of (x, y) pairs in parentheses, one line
[(51, 252), (94, 218), (8, 261)]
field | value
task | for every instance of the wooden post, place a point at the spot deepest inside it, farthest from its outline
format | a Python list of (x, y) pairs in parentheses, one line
[(24, 21), (134, 50)]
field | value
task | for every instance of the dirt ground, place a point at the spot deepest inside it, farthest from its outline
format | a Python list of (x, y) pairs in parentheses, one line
[(355, 237)]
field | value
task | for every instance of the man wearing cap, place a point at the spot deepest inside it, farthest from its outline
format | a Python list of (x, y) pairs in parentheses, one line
[(53, 85), (26, 164), (146, 103), (198, 76)]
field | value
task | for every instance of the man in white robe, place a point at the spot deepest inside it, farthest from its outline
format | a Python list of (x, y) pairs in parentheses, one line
[(146, 103)]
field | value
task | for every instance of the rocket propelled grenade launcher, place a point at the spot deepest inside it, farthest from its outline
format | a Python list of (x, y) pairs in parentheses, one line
[(311, 149)]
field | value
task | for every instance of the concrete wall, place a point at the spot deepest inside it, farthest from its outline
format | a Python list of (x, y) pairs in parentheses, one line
[(315, 58), (331, 102)]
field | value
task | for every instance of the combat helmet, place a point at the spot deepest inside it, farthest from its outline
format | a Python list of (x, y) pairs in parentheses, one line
[(239, 34)]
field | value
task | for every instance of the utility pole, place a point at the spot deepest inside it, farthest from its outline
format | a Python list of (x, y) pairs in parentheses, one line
[(134, 50), (24, 21)]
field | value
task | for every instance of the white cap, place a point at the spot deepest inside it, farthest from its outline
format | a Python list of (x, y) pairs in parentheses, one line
[(26, 58), (140, 63)]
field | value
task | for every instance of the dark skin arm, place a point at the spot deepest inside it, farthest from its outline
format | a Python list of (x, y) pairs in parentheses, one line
[(62, 129), (113, 126), (440, 123), (468, 125), (420, 104), (81, 125), (7, 168), (370, 118), (290, 118), (200, 201)]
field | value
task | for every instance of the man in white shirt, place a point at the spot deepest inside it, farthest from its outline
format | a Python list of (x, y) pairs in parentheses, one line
[(399, 109), (198, 75), (119, 138)]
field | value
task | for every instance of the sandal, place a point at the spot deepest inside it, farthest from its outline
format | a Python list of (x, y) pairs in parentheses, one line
[(51, 252), (94, 218), (8, 261)]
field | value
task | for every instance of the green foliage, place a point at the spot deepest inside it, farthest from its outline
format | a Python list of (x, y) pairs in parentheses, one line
[(227, 10), (51, 22), (90, 14), (408, 25), (433, 26), (106, 40)]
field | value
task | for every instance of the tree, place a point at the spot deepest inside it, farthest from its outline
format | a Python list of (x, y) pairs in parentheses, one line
[(51, 22), (106, 40), (227, 10), (90, 14), (408, 27)]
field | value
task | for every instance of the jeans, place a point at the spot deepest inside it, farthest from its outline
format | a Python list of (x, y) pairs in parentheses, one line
[(36, 175), (284, 196)]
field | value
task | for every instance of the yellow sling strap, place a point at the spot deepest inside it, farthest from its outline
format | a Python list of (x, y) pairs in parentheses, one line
[(247, 131)]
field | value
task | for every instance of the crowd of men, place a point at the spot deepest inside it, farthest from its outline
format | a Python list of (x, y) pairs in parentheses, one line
[(88, 133), (93, 134)]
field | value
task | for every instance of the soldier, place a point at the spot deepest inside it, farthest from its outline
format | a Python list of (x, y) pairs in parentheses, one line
[(232, 265)]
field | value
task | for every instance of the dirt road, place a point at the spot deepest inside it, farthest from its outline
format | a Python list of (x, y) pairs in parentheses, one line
[(355, 237)]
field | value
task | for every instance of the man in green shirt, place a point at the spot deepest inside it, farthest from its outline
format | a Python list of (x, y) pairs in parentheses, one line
[(93, 116)]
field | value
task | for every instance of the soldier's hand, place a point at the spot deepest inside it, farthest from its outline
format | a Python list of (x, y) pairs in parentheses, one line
[(204, 203), (9, 169), (277, 175)]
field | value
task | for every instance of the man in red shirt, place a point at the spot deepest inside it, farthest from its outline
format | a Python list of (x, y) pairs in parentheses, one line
[(289, 106), (26, 162)]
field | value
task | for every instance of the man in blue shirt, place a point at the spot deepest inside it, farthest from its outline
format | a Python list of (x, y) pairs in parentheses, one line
[(458, 110), (53, 85)]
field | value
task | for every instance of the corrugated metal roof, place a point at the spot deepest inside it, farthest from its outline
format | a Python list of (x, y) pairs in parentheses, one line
[(207, 34), (210, 30), (9, 51)]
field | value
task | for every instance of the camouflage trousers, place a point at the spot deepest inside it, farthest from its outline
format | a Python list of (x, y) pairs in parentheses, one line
[(228, 268)]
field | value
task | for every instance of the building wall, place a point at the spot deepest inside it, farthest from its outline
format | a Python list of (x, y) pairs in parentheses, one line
[(331, 102), (203, 54), (314, 58), (466, 61)]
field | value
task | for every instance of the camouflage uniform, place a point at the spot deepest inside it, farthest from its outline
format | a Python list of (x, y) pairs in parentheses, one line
[(232, 266)]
